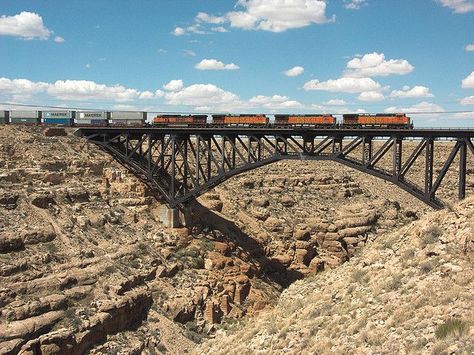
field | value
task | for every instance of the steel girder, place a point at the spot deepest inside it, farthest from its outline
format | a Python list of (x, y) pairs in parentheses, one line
[(182, 166)]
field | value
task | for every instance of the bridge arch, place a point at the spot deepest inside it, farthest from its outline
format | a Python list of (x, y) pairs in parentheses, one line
[(182, 163)]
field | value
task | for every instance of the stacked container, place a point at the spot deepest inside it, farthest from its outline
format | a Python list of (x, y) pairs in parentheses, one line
[(4, 117), (61, 118), (91, 118), (127, 118), (25, 117)]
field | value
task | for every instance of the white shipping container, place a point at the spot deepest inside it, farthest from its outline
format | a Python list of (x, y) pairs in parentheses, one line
[(24, 114), (124, 115), (91, 115)]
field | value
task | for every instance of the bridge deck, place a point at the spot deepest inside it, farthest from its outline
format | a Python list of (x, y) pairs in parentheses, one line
[(261, 131)]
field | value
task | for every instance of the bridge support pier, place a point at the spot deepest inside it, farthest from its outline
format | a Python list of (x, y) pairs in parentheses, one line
[(172, 217)]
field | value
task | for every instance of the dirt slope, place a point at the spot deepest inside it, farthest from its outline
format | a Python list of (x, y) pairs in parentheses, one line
[(410, 291)]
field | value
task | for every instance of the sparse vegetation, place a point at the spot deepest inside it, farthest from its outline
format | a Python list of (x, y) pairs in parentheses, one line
[(431, 235), (360, 276), (452, 327)]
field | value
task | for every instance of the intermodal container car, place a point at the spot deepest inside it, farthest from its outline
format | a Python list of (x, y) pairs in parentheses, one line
[(60, 118), (240, 120), (25, 117), (127, 118), (4, 115), (91, 118), (305, 120)]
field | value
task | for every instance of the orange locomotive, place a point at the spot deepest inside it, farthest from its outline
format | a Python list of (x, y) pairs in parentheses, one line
[(178, 120), (382, 120), (239, 120), (314, 120)]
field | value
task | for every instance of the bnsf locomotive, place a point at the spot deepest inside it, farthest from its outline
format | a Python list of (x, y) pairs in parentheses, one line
[(127, 118)]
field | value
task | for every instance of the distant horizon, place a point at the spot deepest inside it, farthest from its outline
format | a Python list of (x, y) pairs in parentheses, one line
[(253, 56)]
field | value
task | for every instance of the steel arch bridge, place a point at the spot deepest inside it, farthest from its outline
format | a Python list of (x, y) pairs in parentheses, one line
[(181, 163)]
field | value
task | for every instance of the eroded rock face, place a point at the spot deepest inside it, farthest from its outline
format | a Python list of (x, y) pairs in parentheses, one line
[(85, 264)]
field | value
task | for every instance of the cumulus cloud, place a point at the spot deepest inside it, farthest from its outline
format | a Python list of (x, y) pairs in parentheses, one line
[(59, 39), (470, 47), (73, 90), (179, 31), (349, 85), (201, 95), (335, 102), (354, 4), (278, 15), (174, 85), (295, 71), (458, 6), (420, 107), (468, 82), (213, 64), (204, 17), (219, 29), (469, 100), (370, 96), (26, 25), (275, 102), (415, 91), (374, 64)]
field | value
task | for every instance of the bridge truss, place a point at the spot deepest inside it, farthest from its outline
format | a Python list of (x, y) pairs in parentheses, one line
[(183, 163)]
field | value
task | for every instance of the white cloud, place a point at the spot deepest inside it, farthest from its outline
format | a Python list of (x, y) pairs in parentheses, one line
[(470, 47), (374, 64), (420, 107), (59, 39), (146, 95), (203, 17), (335, 102), (278, 15), (295, 71), (162, 51), (349, 85), (201, 95), (416, 91), (469, 100), (275, 102), (89, 90), (179, 31), (370, 96), (213, 64), (458, 6), (468, 82), (26, 25), (174, 85), (219, 29), (88, 66), (20, 88), (354, 4), (189, 53)]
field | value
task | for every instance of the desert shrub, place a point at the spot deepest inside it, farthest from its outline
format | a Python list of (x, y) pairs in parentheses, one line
[(207, 245), (431, 235), (360, 276), (426, 267), (452, 326)]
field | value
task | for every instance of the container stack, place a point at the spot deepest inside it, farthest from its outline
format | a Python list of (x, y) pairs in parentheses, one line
[(127, 118), (91, 118), (25, 117), (60, 118)]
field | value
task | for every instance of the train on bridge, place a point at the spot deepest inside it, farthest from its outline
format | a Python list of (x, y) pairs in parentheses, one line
[(140, 119)]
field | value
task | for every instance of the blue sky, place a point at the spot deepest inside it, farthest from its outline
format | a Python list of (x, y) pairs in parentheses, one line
[(242, 56)]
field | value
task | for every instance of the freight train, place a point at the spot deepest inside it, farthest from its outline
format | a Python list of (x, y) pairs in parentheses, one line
[(139, 119)]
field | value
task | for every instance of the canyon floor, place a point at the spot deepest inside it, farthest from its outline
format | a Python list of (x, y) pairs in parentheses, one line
[(293, 257)]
